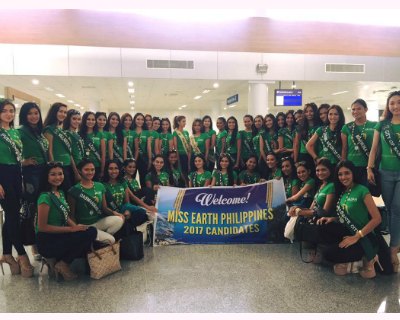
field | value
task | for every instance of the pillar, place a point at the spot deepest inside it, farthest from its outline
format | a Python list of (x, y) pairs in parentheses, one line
[(258, 98)]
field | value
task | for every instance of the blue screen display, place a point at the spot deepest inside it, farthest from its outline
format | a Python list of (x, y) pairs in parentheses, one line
[(288, 97)]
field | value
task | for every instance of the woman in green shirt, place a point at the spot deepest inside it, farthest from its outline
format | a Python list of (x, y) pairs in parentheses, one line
[(387, 137), (260, 128), (58, 236), (101, 120), (208, 128), (154, 135), (220, 139), (142, 147), (94, 143), (166, 138), (200, 177), (233, 142), (60, 145), (268, 142), (289, 176), (156, 178), (199, 141), (274, 170), (176, 178), (286, 135), (11, 191), (117, 145), (70, 126), (35, 156), (353, 238), (88, 203), (129, 134), (182, 144), (304, 197), (247, 136), (329, 137), (250, 175), (224, 175)]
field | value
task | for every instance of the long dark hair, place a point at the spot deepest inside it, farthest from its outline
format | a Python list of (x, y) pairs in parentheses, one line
[(235, 131), (118, 130), (106, 177), (229, 170), (23, 118), (197, 121), (211, 123), (387, 114), (70, 114), (44, 185), (177, 119), (253, 127), (144, 127), (161, 122), (327, 164), (123, 117), (153, 173), (51, 117), (97, 115), (316, 120), (224, 121), (83, 128), (340, 124), (291, 161), (126, 163), (274, 122), (262, 121), (291, 112), (167, 168), (281, 114), (339, 187)]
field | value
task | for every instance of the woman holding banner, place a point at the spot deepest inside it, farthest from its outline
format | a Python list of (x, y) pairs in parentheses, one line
[(387, 136), (200, 177), (224, 175)]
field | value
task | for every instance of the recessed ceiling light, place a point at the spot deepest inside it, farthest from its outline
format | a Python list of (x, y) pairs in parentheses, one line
[(232, 106), (132, 108), (132, 96), (131, 90), (60, 95), (216, 85), (197, 97), (82, 108), (35, 82), (49, 89), (132, 102), (70, 101), (206, 90), (77, 105), (184, 106), (339, 92), (225, 108), (17, 105), (130, 83), (180, 108)]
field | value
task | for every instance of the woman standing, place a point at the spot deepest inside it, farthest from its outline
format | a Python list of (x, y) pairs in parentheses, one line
[(60, 146), (224, 175), (182, 144), (233, 143), (199, 141), (329, 137), (387, 137), (129, 134), (94, 143), (260, 129), (11, 191), (220, 139), (71, 125), (247, 136), (200, 177), (35, 154), (142, 146), (286, 136), (155, 137), (357, 139), (117, 145), (58, 236), (208, 128), (323, 113), (87, 200), (166, 138), (101, 120), (268, 142)]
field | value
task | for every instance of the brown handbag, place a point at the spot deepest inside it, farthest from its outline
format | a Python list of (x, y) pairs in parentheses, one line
[(104, 261)]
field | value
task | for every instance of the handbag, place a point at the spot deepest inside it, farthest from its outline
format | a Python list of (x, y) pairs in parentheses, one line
[(131, 243), (104, 261), (289, 229), (306, 231)]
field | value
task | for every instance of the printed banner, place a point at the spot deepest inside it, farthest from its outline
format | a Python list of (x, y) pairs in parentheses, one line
[(243, 214)]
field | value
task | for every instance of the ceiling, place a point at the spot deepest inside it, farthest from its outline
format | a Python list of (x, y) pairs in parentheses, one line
[(164, 96)]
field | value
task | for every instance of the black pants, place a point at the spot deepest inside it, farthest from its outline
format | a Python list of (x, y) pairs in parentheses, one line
[(65, 246), (142, 164), (11, 181), (184, 164), (69, 178)]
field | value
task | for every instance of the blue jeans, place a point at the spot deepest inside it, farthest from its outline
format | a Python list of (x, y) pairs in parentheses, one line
[(390, 181)]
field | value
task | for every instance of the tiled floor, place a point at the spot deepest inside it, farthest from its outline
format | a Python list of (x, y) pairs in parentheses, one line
[(206, 278)]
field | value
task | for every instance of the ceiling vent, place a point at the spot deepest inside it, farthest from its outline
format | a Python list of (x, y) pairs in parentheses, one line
[(344, 68), (170, 64)]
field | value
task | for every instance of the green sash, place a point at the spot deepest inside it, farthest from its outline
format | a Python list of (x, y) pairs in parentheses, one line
[(249, 145), (40, 140), (11, 144), (358, 140), (91, 148), (116, 153), (327, 144), (365, 242), (391, 138), (185, 144), (195, 146), (111, 201), (78, 194), (62, 136), (61, 208)]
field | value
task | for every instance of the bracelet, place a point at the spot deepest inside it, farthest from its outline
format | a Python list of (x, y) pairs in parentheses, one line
[(370, 168), (297, 211), (360, 233)]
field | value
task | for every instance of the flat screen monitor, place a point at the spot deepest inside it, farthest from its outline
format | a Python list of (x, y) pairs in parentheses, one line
[(288, 97)]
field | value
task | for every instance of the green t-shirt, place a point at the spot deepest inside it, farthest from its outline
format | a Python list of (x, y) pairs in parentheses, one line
[(83, 212), (270, 138), (289, 184), (310, 182), (308, 136), (200, 142), (165, 139), (77, 145), (256, 143), (154, 137), (320, 195), (211, 133), (55, 217), (354, 153), (117, 191), (249, 178), (181, 149), (223, 179), (133, 185), (288, 137), (232, 148), (95, 138), (130, 136), (389, 160), (276, 175), (218, 141), (116, 146), (354, 206), (199, 180), (60, 151), (177, 177), (326, 134), (163, 177), (32, 148), (247, 143), (143, 137)]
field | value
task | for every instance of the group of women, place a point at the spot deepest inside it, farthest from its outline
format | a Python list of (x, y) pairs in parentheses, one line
[(88, 168)]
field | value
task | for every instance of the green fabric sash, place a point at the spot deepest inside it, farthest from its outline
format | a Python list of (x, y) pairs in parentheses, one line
[(62, 136), (40, 140), (391, 138), (61, 208), (11, 144), (78, 194)]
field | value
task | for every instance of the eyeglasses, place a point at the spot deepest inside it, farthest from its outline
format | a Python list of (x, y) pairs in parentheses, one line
[(53, 164), (300, 163), (285, 158), (75, 112)]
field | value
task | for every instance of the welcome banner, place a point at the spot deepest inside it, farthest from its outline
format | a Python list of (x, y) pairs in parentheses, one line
[(249, 214)]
